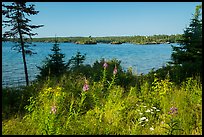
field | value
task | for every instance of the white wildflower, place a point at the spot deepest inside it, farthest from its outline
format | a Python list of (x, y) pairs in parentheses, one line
[(151, 109), (147, 110), (140, 113), (151, 128), (154, 107), (144, 106), (157, 110), (143, 118), (146, 120)]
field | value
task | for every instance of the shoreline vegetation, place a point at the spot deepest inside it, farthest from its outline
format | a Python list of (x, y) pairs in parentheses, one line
[(105, 100), (144, 40)]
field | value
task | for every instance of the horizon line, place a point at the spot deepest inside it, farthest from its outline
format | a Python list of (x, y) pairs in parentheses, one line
[(109, 36)]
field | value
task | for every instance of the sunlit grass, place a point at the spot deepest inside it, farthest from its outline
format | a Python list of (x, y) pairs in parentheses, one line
[(68, 108)]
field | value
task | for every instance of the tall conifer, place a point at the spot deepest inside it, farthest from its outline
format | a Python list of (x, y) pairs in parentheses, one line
[(16, 15)]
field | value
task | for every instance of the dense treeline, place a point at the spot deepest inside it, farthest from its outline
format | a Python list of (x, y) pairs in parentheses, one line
[(122, 39), (155, 39)]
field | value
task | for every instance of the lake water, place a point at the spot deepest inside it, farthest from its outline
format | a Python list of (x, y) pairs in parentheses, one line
[(142, 58)]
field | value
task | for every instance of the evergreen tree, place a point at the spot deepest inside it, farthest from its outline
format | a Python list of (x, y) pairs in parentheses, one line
[(189, 54), (54, 64), (77, 60), (17, 20)]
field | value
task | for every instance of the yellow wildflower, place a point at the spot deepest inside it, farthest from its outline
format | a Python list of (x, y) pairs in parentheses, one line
[(59, 88)]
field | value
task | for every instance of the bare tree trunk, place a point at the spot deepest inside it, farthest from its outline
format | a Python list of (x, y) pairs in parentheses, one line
[(23, 54), (24, 63)]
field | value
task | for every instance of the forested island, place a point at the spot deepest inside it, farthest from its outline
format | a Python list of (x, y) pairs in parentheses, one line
[(155, 39)]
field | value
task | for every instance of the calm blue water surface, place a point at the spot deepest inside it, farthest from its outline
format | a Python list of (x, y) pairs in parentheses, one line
[(142, 58)]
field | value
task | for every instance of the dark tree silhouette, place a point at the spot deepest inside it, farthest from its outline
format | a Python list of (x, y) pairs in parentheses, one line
[(54, 64), (189, 53), (77, 60), (16, 19)]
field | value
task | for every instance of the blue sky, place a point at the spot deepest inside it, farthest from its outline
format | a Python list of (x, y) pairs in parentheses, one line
[(112, 18)]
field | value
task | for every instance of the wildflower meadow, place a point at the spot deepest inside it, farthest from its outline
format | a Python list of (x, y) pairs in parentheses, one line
[(76, 104)]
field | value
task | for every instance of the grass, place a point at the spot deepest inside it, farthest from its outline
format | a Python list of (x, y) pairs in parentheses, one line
[(64, 108)]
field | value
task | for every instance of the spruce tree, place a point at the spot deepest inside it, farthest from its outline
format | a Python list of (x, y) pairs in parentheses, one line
[(77, 60), (20, 28), (54, 64), (189, 54)]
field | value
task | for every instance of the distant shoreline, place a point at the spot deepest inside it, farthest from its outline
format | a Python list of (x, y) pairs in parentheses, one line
[(144, 40), (102, 43)]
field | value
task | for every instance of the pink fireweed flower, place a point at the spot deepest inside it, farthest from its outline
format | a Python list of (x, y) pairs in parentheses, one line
[(53, 109), (105, 65), (86, 86), (173, 111), (115, 70)]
